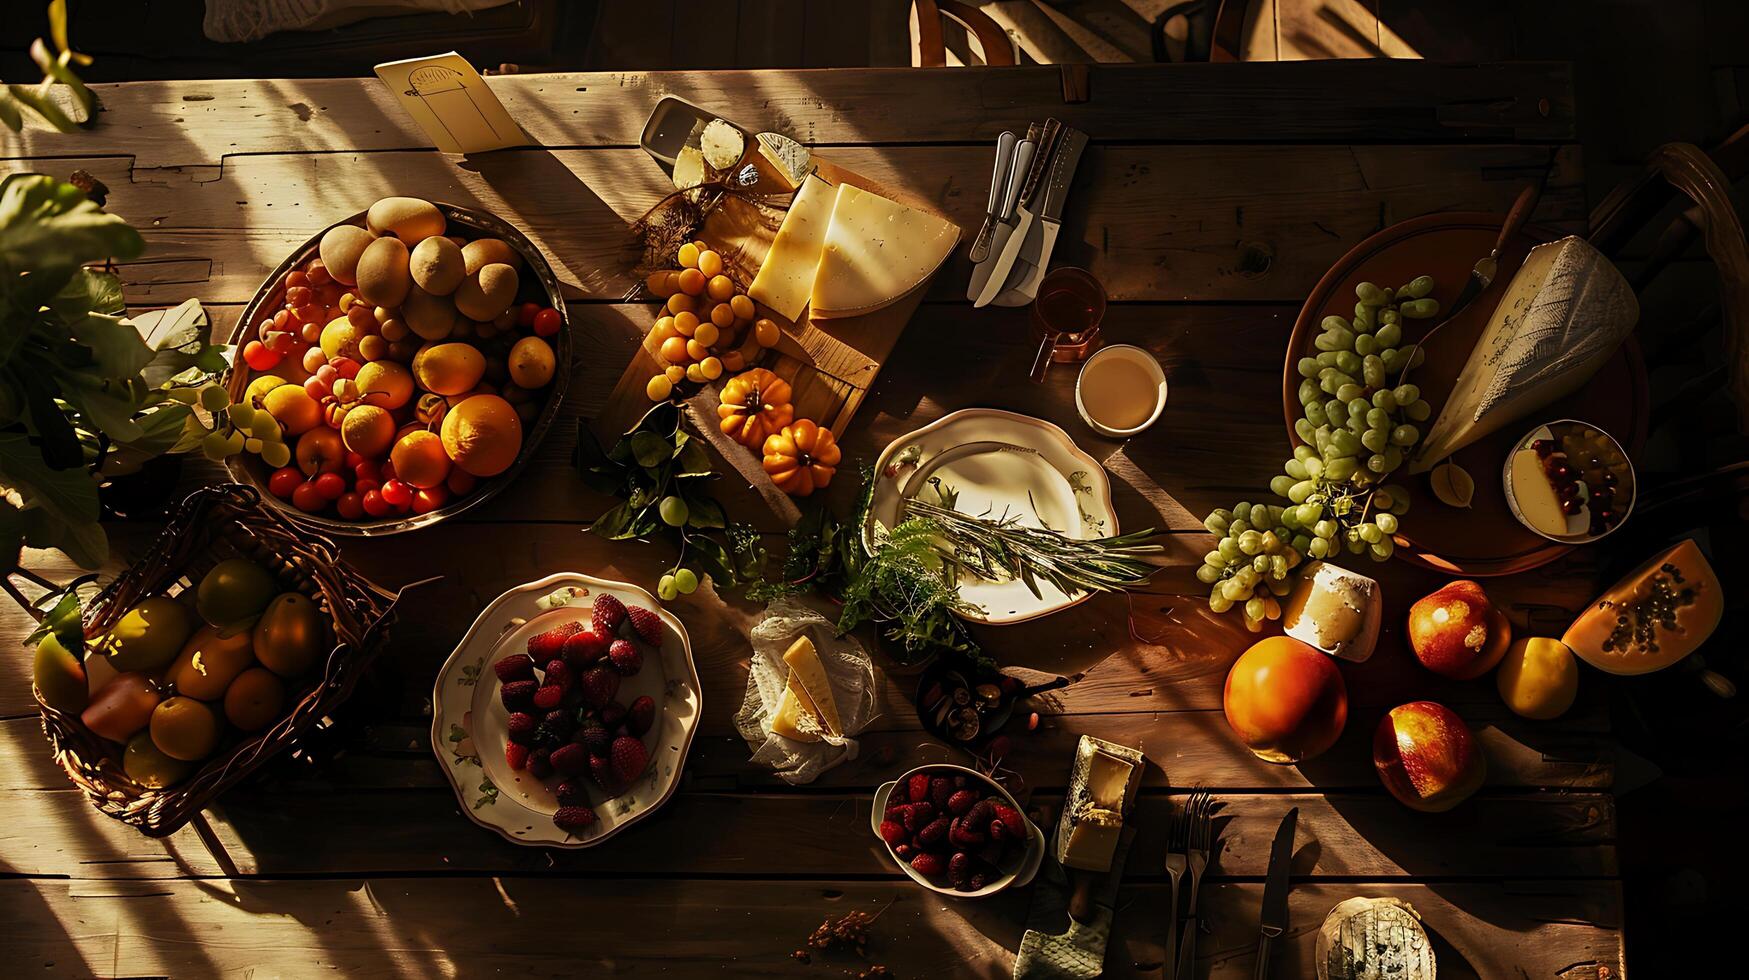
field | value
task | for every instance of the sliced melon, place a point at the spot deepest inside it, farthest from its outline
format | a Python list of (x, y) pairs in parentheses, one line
[(1658, 614)]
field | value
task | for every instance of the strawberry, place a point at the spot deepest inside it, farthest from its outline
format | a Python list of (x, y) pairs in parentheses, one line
[(892, 833), (520, 726), (518, 695), (538, 764), (641, 715), (612, 713), (933, 833), (920, 815), (516, 667), (609, 613), (646, 624), (570, 759), (598, 685), (543, 647), (595, 738), (896, 811), (586, 647), (558, 672), (960, 865), (629, 758), (959, 834), (1011, 820), (917, 788), (961, 801), (548, 696), (516, 754), (928, 864), (903, 851), (571, 792), (625, 658), (573, 817), (601, 771), (940, 791), (979, 816)]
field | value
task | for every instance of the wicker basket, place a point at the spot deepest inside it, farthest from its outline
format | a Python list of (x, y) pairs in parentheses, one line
[(211, 525)]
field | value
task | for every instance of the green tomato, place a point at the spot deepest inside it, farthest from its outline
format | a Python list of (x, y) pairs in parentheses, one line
[(673, 511)]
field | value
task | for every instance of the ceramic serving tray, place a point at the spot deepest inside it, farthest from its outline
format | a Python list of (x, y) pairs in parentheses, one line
[(468, 718), (999, 463)]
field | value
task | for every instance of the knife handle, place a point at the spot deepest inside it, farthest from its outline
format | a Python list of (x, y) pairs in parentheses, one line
[(1022, 163), (1519, 214), (999, 179), (1261, 971)]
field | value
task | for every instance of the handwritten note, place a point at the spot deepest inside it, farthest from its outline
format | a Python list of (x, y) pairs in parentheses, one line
[(452, 103)]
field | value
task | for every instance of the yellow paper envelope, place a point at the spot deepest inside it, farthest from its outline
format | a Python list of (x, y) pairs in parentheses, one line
[(452, 103)]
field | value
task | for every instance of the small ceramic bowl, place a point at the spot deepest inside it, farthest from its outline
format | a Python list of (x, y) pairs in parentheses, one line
[(1593, 455), (1139, 357), (1021, 870)]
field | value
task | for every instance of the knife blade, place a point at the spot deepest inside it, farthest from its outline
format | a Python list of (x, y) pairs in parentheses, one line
[(1035, 254), (1272, 920), (998, 187), (982, 272), (1004, 262)]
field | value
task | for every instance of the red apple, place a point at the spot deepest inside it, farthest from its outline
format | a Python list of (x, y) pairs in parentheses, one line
[(1427, 757), (1457, 632), (1285, 700)]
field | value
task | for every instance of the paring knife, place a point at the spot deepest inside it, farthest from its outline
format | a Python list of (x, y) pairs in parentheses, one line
[(983, 271), (1041, 238), (1488, 265), (1010, 244), (1273, 919), (998, 190)]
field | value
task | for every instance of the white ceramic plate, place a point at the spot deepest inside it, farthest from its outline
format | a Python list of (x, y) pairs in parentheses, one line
[(1024, 869), (468, 720), (1000, 462)]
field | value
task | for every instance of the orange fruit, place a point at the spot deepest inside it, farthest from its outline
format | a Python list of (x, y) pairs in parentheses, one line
[(254, 699), (185, 729), (293, 408), (368, 430), (420, 458), (209, 662), (482, 434)]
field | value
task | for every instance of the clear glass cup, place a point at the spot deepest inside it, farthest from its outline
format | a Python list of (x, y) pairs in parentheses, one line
[(1066, 315)]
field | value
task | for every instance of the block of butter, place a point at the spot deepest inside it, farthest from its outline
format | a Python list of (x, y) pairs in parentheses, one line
[(1102, 786)]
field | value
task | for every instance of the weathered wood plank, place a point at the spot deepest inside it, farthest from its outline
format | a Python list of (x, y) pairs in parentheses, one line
[(1176, 222), (54, 833), (558, 926), (200, 123)]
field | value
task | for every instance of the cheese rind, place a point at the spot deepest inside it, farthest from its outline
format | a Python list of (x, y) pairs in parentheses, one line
[(809, 675), (786, 277), (876, 252)]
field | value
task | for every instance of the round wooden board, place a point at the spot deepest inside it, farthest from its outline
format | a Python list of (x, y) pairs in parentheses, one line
[(1485, 539)]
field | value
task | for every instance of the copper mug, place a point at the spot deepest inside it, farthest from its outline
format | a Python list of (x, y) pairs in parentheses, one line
[(1066, 316)]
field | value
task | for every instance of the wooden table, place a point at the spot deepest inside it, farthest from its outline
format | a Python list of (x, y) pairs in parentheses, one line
[(1211, 201)]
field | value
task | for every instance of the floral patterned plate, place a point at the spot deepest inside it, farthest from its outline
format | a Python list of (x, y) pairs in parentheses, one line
[(998, 463), (468, 718)]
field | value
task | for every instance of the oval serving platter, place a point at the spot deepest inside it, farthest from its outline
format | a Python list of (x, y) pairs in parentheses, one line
[(1483, 539), (250, 470), (999, 462), (468, 720)]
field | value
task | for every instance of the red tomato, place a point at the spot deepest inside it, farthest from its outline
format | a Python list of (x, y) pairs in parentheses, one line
[(397, 493), (525, 315), (350, 506), (363, 470), (309, 499), (429, 499), (259, 357), (352, 459), (330, 485), (375, 505), (546, 322), (284, 481), (460, 481)]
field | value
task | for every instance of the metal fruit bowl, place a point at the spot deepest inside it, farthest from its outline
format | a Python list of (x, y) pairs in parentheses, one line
[(541, 286)]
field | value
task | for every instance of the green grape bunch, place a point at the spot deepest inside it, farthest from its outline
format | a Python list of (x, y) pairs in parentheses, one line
[(236, 427), (1360, 421)]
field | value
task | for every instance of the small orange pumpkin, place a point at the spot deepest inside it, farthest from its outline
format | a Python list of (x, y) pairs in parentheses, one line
[(754, 405), (801, 458)]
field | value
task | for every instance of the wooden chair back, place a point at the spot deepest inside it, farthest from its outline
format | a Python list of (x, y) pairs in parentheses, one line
[(931, 21)]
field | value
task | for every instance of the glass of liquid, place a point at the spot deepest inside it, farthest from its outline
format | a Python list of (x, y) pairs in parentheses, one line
[(1066, 317)]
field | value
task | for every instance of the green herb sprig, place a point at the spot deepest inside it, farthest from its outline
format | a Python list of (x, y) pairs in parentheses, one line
[(1002, 547)]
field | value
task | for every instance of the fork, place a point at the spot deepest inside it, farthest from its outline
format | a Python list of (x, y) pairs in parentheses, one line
[(1197, 814), (1177, 842)]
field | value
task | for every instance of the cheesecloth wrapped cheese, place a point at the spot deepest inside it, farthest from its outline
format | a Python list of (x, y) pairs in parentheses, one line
[(848, 669)]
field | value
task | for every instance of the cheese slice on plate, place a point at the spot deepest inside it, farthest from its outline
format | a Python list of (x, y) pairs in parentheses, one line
[(809, 675), (787, 274), (876, 253), (1108, 780)]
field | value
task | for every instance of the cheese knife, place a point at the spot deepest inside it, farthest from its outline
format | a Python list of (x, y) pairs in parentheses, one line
[(998, 189), (1488, 265), (1041, 239), (1273, 918), (1010, 245), (982, 273)]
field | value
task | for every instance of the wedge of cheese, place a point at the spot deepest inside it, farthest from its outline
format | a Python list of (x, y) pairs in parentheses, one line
[(876, 253), (786, 276), (808, 675), (791, 708)]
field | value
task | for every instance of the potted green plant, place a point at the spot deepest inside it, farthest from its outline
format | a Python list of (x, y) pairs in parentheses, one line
[(86, 394)]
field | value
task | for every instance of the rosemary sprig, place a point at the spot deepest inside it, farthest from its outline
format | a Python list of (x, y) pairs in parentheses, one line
[(999, 547)]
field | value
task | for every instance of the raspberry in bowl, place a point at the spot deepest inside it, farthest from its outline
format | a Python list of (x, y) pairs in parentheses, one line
[(956, 832)]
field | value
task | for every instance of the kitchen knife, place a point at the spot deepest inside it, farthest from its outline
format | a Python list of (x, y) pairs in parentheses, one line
[(1273, 919), (1009, 248), (998, 188), (1035, 254), (981, 273)]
